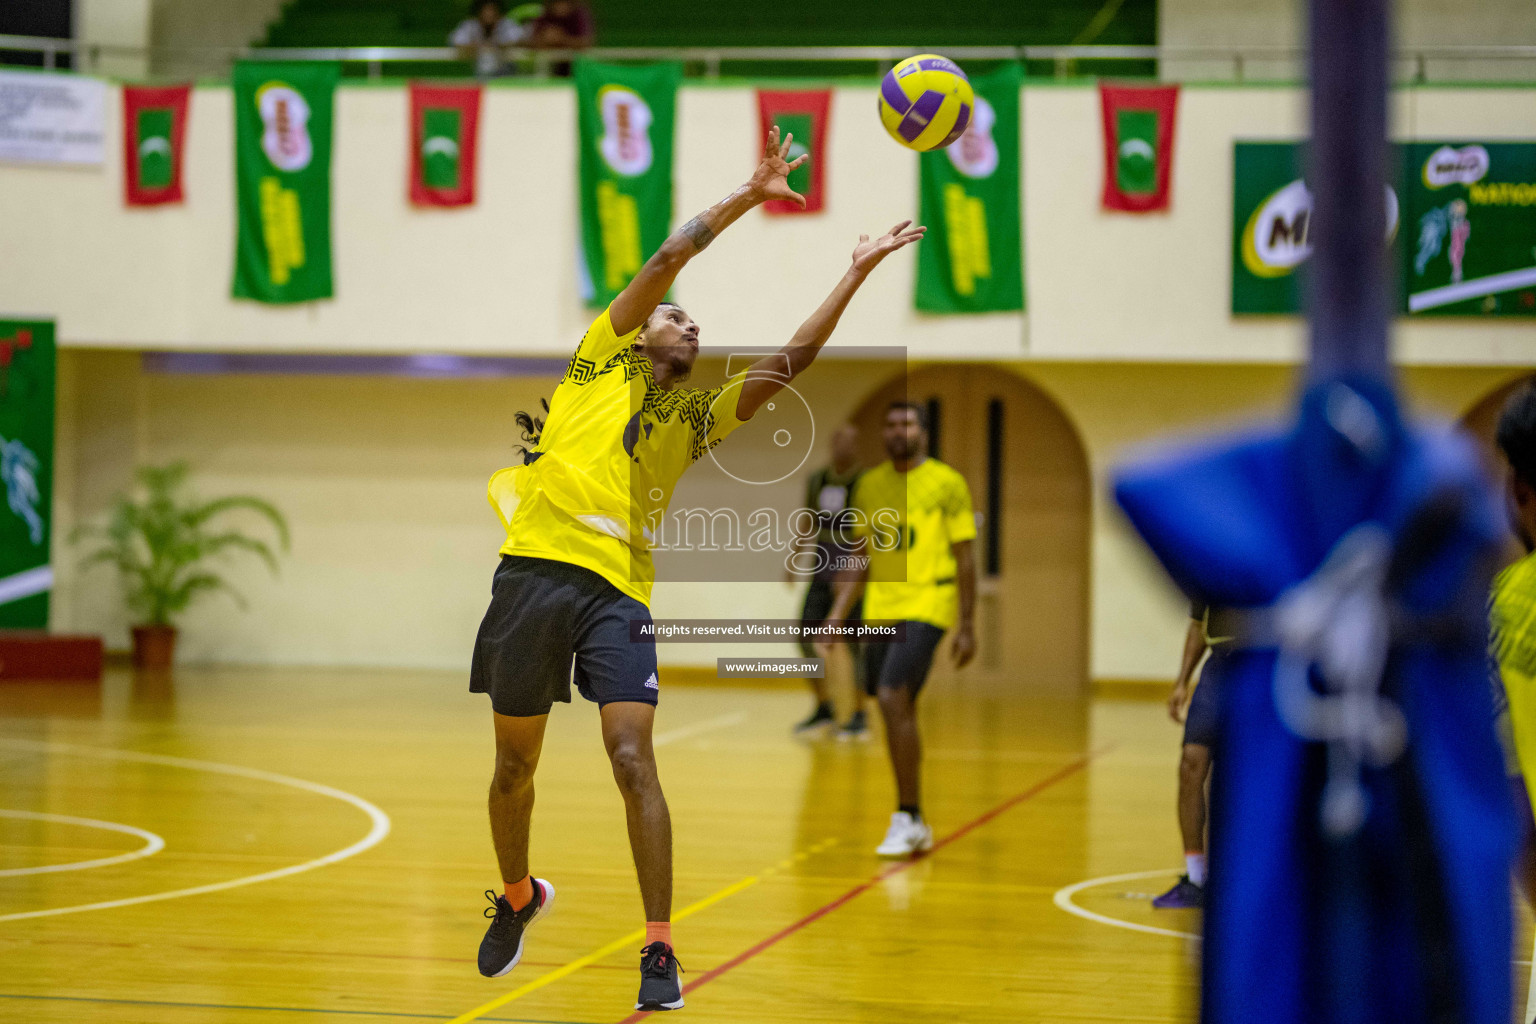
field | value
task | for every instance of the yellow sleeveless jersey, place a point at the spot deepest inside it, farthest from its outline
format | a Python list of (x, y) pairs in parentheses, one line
[(612, 450), (909, 520), (1512, 630)]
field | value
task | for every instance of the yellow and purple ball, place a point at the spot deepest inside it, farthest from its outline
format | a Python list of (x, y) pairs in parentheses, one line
[(926, 102)]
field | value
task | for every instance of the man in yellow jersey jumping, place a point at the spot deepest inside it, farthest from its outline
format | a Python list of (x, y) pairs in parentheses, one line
[(574, 581), (1512, 617), (915, 515)]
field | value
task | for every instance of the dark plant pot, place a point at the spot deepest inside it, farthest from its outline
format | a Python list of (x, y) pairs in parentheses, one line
[(154, 647)]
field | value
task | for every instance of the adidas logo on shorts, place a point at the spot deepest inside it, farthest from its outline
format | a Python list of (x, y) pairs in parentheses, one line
[(651, 683)]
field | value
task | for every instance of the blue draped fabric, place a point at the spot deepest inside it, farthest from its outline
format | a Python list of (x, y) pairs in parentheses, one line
[(1408, 920)]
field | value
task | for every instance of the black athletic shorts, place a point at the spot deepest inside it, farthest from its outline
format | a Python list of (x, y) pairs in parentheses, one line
[(818, 605), (545, 614), (1200, 722), (902, 663)]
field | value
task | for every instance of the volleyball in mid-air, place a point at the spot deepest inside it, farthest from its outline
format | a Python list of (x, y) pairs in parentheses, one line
[(926, 102)]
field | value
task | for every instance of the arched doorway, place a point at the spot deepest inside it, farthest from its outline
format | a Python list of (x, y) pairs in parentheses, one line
[(1483, 418), (1029, 483)]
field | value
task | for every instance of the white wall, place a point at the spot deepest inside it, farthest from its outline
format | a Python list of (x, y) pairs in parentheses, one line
[(178, 28), (501, 277), (115, 23), (383, 482), (1279, 24), (1111, 286), (1128, 328)]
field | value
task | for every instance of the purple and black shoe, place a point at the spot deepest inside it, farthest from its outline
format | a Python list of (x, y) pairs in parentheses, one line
[(1185, 895)]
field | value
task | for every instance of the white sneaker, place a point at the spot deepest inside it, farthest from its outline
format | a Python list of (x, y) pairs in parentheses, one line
[(906, 836)]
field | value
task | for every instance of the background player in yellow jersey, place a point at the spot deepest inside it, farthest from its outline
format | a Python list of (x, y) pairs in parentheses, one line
[(576, 570), (915, 515), (1512, 617)]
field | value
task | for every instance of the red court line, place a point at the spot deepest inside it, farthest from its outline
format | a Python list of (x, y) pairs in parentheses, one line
[(894, 869)]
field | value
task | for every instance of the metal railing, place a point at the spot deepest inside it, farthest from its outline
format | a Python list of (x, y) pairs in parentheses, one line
[(1413, 64)]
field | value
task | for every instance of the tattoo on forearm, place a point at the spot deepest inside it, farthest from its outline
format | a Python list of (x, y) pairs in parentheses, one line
[(698, 233)]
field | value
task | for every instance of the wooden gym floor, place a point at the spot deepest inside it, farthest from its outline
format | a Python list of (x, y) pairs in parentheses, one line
[(325, 850)]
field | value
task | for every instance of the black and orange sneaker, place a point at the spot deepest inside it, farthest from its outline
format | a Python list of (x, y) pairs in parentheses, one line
[(659, 987), (502, 946)]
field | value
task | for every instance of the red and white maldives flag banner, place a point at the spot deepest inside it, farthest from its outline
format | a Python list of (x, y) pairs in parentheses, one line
[(154, 139), (1138, 145), (803, 114), (445, 125)]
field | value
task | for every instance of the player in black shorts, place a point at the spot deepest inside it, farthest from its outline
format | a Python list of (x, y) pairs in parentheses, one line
[(818, 550), (920, 574), (1195, 760), (576, 572)]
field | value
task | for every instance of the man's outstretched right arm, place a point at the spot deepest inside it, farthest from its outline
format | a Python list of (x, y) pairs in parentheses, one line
[(649, 287)]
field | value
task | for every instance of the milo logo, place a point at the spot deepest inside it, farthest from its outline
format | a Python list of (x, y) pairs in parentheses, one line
[(1449, 166), (285, 126), (975, 154), (1278, 237), (626, 142)]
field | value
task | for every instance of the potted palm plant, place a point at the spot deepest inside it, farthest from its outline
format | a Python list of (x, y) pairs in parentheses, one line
[(163, 542)]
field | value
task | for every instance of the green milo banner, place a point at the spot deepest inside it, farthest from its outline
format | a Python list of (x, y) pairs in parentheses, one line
[(283, 117), (972, 259), (1469, 225), (625, 117), (26, 464), (1271, 225)]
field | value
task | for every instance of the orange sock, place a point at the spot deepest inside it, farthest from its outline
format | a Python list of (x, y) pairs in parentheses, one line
[(658, 931), (520, 894)]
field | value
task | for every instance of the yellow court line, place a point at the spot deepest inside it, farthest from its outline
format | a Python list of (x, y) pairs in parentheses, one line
[(636, 935), (600, 954)]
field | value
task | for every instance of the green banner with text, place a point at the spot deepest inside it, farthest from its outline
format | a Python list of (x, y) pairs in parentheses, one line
[(972, 258), (283, 118), (625, 118), (1469, 222), (1272, 222), (26, 464)]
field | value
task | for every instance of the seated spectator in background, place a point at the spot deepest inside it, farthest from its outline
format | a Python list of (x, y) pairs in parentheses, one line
[(564, 25), (481, 37)]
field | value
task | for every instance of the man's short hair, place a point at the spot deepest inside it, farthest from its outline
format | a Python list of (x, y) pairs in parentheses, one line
[(476, 6), (652, 313), (918, 410), (1517, 432)]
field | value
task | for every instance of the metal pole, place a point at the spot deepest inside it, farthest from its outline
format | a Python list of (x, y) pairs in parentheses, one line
[(1347, 174)]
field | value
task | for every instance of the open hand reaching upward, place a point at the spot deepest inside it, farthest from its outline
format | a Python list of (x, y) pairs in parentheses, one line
[(771, 179), (868, 254)]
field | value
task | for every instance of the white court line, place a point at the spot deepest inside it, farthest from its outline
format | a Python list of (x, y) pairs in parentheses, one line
[(153, 844), (684, 732), (375, 834), (1063, 899)]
